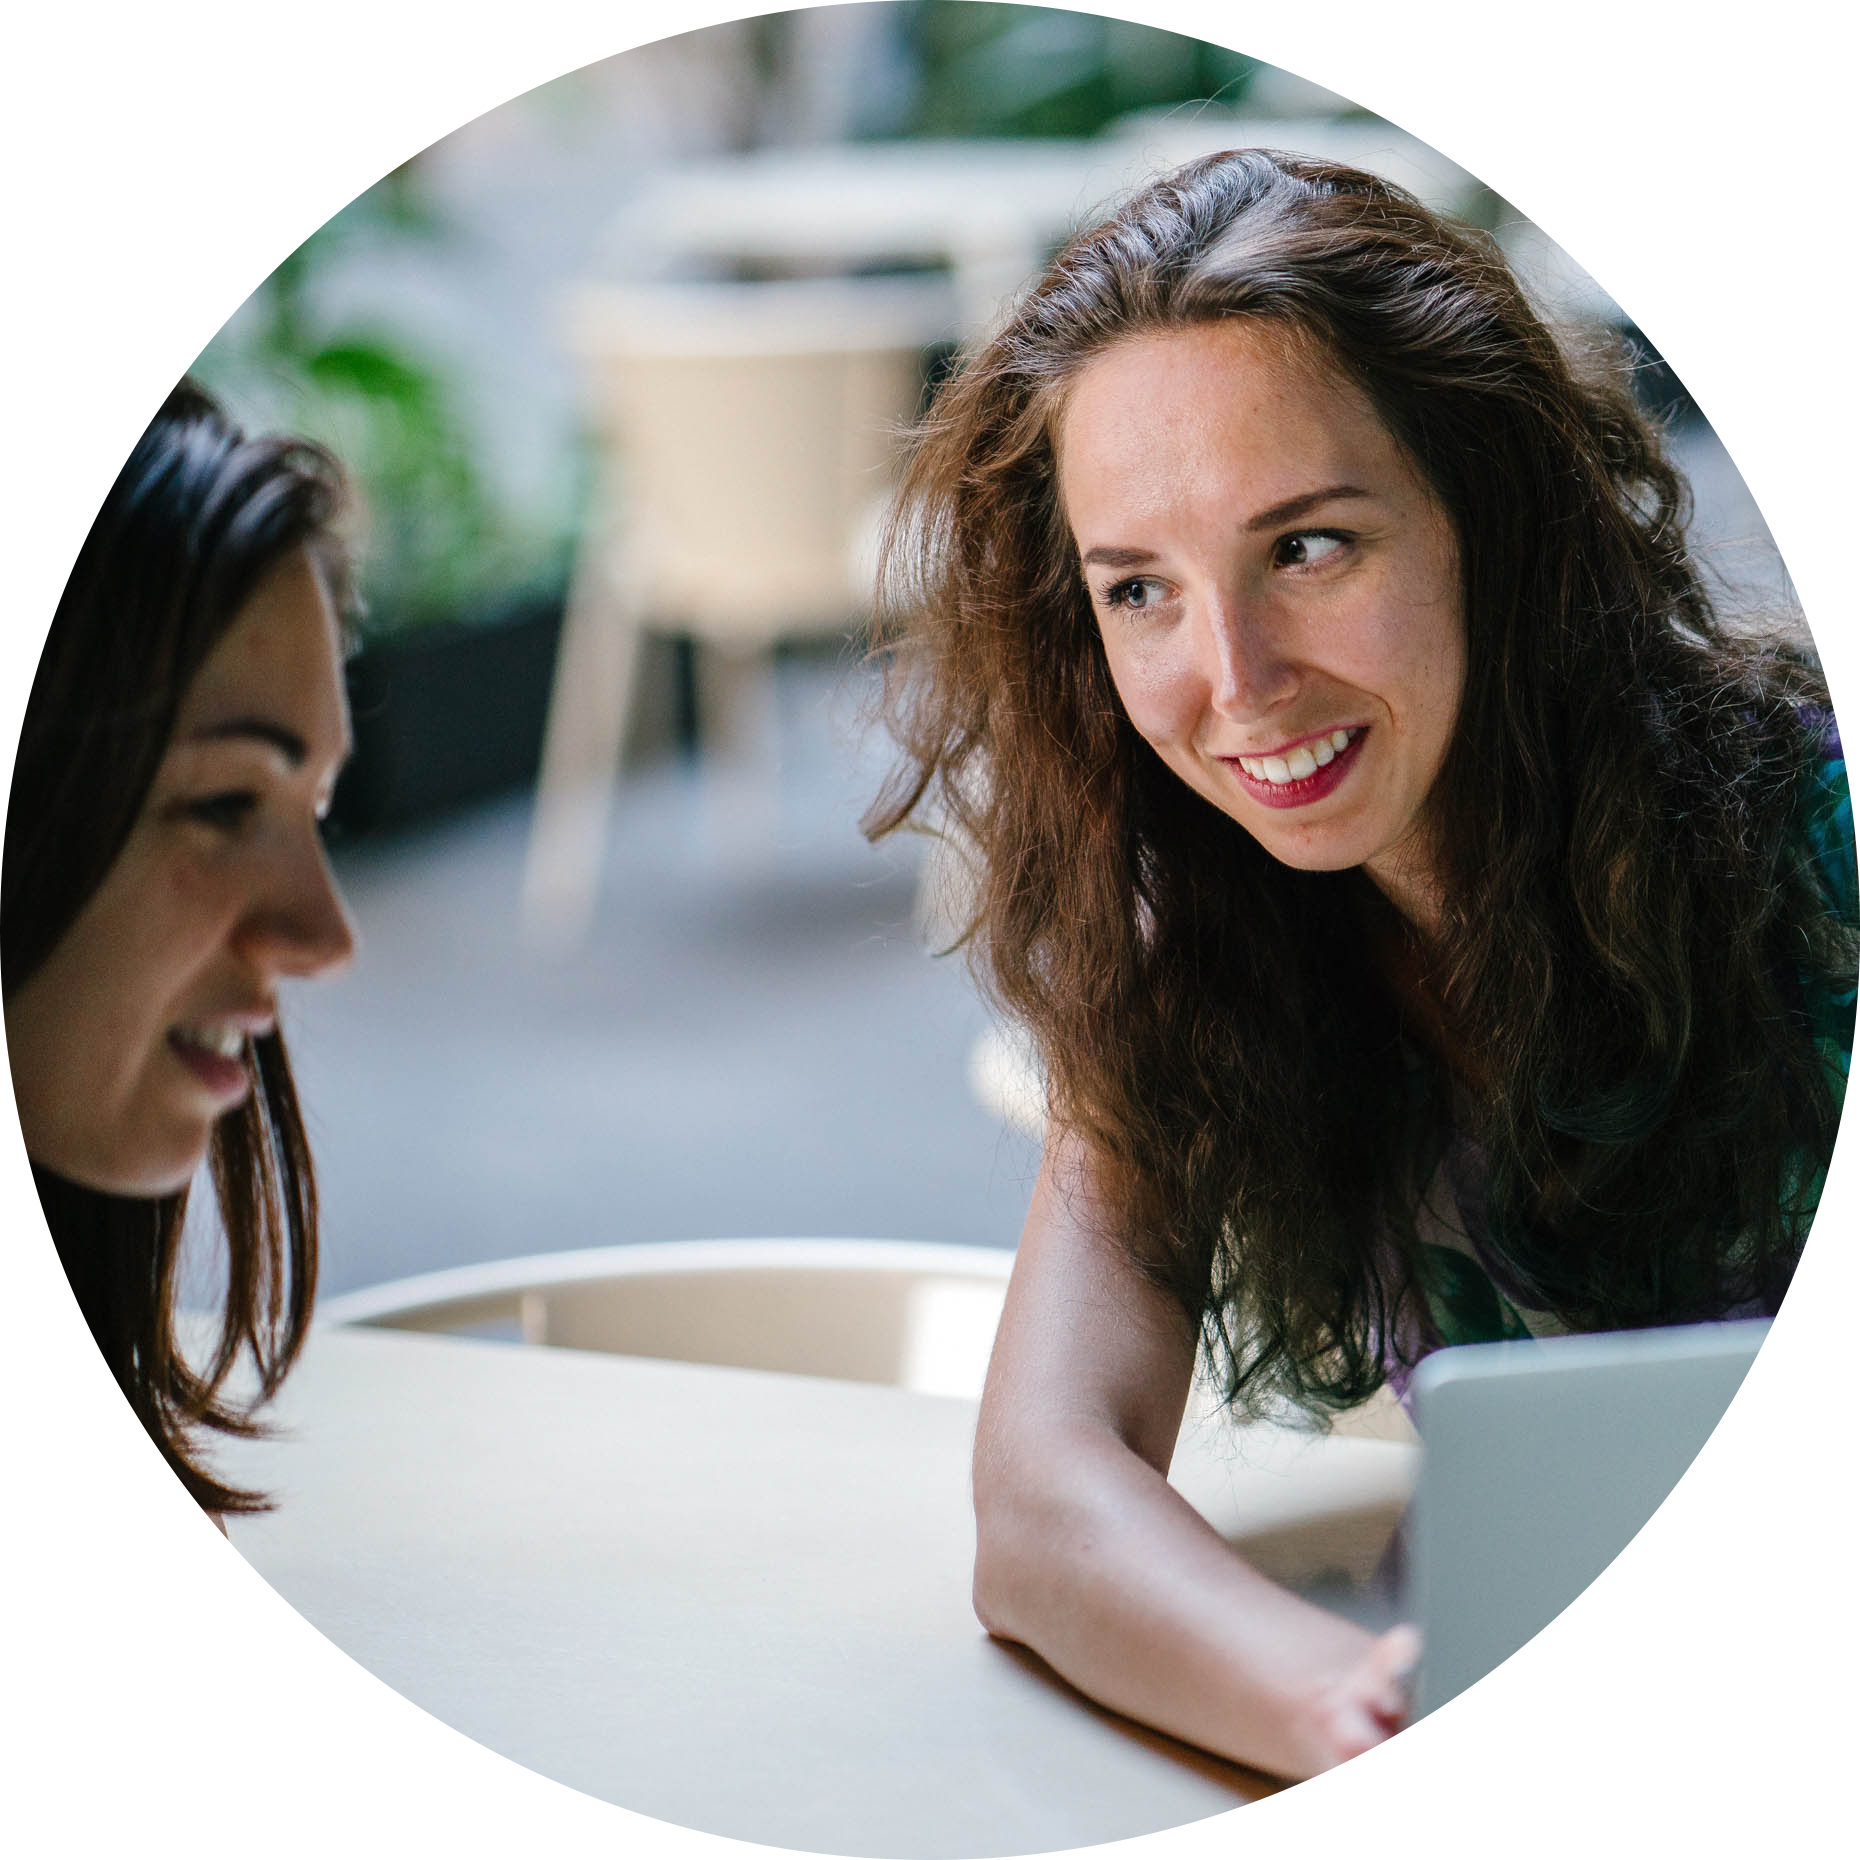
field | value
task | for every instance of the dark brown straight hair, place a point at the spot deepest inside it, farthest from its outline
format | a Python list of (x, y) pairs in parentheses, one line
[(192, 524), (1635, 944)]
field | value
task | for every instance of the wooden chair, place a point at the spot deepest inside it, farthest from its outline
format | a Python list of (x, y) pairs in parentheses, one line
[(904, 1313), (745, 439)]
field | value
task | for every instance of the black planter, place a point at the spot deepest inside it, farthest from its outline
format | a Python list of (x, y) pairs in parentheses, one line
[(447, 714)]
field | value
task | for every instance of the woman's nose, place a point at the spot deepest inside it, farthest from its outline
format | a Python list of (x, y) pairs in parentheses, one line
[(301, 927), (1250, 672)]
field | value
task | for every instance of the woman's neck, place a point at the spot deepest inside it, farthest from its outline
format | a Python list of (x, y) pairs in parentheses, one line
[(1408, 957), (1409, 877)]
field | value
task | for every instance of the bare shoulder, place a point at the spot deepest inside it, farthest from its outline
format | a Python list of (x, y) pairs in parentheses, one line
[(1087, 1340)]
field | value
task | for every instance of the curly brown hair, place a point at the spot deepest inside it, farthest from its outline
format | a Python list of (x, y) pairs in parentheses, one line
[(1635, 943)]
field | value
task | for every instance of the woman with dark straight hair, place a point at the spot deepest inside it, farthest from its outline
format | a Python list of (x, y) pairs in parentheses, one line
[(163, 872), (1437, 924)]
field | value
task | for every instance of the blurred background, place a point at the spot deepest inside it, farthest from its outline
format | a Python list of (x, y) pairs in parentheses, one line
[(619, 370)]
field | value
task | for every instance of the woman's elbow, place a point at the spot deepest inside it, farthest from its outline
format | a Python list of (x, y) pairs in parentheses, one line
[(994, 1584), (1011, 1520)]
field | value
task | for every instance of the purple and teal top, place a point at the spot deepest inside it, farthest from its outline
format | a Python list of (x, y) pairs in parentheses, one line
[(1471, 1296)]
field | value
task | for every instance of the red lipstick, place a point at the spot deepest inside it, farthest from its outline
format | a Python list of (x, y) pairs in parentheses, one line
[(1313, 787)]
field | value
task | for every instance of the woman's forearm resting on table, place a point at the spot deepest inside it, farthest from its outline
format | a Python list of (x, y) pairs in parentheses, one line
[(1106, 1572), (1087, 1555)]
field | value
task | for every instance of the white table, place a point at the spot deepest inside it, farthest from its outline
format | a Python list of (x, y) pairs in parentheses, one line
[(726, 1598), (991, 210)]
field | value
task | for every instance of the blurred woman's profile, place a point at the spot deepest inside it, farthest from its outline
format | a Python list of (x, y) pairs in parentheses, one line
[(164, 873)]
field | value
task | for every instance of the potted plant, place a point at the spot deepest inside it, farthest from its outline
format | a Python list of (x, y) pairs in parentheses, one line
[(461, 604)]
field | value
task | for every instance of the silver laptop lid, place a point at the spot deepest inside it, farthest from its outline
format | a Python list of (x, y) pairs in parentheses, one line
[(1541, 1460)]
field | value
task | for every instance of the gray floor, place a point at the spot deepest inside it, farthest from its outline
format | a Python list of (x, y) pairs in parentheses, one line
[(754, 1041)]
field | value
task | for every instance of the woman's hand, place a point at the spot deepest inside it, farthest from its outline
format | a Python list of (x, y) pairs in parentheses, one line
[(1085, 1552), (1361, 1707)]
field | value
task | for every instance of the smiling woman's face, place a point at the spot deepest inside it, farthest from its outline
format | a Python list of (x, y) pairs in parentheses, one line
[(1277, 590), (134, 1036)]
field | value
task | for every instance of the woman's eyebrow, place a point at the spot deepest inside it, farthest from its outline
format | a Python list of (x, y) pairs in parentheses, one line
[(1295, 507), (261, 729), (1289, 511)]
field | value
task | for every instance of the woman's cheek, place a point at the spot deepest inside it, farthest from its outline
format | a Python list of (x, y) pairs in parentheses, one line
[(1158, 701), (193, 877), (180, 904)]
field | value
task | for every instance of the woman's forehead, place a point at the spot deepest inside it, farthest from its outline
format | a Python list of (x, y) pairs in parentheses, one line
[(1149, 416), (279, 659)]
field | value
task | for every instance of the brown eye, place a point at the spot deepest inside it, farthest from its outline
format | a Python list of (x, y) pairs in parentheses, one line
[(227, 812), (1305, 548)]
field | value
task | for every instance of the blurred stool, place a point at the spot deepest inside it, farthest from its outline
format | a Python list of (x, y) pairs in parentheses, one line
[(745, 441), (904, 1313), (1006, 1077)]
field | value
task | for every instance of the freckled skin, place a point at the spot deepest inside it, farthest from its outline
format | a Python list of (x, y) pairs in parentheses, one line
[(1226, 640), (200, 917)]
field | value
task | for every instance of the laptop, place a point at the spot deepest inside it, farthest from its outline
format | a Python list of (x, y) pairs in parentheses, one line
[(1541, 1461)]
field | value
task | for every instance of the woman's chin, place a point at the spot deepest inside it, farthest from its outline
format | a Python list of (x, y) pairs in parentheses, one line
[(154, 1178), (1322, 849), (135, 1172)]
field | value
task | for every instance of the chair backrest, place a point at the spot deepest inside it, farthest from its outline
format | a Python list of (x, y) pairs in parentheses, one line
[(903, 1313), (750, 434)]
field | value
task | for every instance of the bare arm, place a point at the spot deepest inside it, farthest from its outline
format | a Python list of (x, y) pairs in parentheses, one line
[(1089, 1557)]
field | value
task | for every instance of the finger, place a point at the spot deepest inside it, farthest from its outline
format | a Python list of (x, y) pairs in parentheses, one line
[(1355, 1728), (1399, 1650), (1391, 1667)]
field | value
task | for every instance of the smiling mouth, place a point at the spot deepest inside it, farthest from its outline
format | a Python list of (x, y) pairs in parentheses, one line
[(1301, 763), (217, 1053), (1308, 772), (217, 1037)]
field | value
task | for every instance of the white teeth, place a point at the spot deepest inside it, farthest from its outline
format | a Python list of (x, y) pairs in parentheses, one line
[(227, 1042), (1305, 760)]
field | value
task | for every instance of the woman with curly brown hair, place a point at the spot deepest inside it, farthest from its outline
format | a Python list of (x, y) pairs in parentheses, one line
[(164, 873), (1435, 922)]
